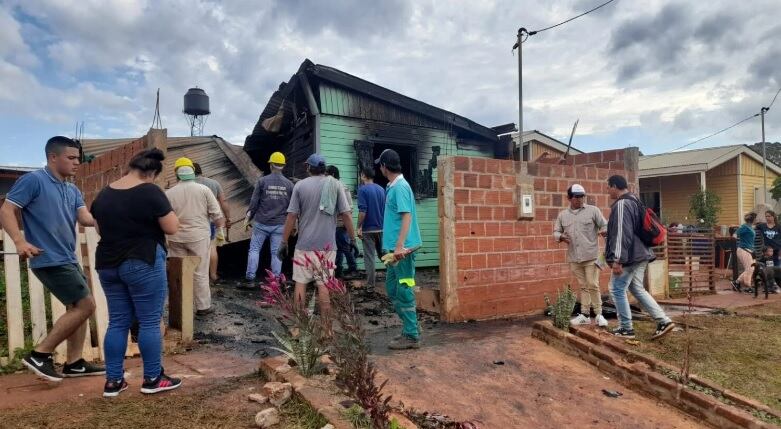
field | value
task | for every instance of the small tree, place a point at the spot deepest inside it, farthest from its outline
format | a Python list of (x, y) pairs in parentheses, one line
[(775, 191), (705, 207)]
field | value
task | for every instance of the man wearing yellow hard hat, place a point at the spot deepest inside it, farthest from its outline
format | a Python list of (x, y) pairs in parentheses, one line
[(195, 206), (267, 213)]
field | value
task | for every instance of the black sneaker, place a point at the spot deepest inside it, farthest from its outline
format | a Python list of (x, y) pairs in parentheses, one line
[(351, 275), (112, 388), (735, 285), (663, 329), (82, 368), (624, 333), (204, 312), (43, 367), (160, 384)]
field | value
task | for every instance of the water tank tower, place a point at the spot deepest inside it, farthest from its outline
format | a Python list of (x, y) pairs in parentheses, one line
[(196, 108)]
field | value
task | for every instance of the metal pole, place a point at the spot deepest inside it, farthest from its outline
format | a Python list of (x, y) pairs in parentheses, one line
[(764, 157), (520, 96)]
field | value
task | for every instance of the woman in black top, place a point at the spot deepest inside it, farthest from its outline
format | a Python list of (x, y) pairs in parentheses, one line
[(771, 234), (133, 215)]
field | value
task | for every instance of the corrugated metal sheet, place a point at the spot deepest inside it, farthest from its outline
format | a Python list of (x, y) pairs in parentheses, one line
[(214, 162)]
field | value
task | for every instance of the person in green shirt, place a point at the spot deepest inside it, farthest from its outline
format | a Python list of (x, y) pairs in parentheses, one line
[(745, 251), (401, 237)]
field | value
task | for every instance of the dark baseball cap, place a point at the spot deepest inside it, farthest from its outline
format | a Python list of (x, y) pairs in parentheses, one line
[(389, 158), (316, 160)]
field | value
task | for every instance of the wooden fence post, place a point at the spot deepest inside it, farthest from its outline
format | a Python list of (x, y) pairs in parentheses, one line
[(180, 296), (13, 296)]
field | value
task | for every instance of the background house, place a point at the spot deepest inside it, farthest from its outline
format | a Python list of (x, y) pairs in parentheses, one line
[(668, 180), (534, 143), (351, 121), (8, 175)]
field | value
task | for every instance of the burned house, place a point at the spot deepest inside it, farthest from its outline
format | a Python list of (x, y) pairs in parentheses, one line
[(350, 121)]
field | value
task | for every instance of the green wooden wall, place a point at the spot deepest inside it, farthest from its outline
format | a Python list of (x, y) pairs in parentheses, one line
[(339, 132)]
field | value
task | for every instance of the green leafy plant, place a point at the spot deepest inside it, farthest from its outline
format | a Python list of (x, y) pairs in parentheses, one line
[(357, 417), (305, 348), (775, 191), (561, 310), (705, 207)]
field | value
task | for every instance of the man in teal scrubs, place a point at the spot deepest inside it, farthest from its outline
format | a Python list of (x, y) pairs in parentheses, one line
[(400, 236)]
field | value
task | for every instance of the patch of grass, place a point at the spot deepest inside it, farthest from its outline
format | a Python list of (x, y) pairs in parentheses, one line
[(740, 353), (15, 363), (357, 417), (298, 414)]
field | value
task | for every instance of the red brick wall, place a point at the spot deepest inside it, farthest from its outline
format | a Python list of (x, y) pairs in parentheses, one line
[(504, 266), (106, 168)]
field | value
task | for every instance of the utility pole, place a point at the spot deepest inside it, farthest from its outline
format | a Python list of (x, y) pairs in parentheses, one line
[(764, 156), (521, 32)]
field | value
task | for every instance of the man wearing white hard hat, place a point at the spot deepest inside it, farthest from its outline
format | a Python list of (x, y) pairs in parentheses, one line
[(579, 226), (195, 206)]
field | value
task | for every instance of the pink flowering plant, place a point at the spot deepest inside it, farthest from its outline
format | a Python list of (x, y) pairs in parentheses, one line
[(347, 343), (304, 346)]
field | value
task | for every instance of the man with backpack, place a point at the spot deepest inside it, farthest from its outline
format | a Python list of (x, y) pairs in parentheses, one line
[(631, 230)]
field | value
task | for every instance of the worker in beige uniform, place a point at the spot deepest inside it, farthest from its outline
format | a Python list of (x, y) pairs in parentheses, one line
[(195, 206), (579, 226)]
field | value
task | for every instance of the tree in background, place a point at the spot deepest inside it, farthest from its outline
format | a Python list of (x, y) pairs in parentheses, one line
[(775, 191), (705, 206)]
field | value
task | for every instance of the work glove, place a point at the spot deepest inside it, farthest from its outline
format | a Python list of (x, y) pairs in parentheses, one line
[(219, 237), (282, 252), (389, 259)]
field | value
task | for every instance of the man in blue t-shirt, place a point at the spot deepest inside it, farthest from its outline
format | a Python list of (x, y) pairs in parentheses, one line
[(401, 237), (50, 207), (371, 210)]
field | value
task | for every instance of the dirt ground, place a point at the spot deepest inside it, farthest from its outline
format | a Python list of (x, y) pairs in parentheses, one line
[(222, 404), (494, 373)]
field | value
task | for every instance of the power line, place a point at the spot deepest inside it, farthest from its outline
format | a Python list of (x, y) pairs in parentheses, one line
[(532, 33), (765, 109), (774, 99), (717, 132)]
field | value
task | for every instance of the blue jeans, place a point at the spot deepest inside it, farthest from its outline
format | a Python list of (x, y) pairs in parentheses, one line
[(344, 250), (632, 279), (134, 290), (259, 234)]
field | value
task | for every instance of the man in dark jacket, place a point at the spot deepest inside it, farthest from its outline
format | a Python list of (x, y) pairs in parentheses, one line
[(267, 212), (628, 258)]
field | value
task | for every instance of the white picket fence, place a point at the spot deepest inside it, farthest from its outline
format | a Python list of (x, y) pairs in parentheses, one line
[(93, 350)]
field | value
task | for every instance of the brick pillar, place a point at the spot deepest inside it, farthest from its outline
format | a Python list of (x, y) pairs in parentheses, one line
[(158, 138)]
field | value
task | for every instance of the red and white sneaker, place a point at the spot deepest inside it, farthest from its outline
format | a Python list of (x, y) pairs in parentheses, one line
[(160, 384)]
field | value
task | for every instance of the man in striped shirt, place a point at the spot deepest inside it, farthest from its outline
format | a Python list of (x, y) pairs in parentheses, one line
[(628, 258)]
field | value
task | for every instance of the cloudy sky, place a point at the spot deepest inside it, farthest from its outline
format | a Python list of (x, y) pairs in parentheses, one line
[(655, 74)]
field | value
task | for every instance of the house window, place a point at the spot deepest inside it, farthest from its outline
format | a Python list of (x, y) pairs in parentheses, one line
[(409, 163), (653, 201)]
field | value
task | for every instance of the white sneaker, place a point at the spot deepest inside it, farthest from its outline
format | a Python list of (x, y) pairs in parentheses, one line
[(580, 320), (601, 321)]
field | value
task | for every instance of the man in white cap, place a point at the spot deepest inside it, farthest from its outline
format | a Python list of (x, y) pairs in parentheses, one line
[(579, 227), (195, 206)]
